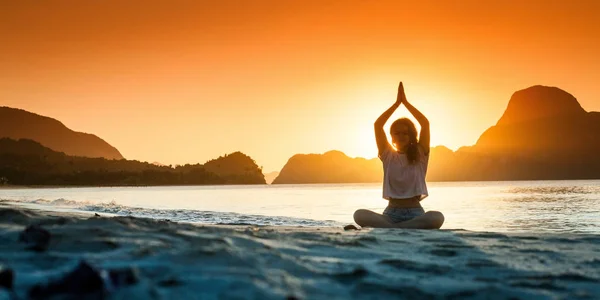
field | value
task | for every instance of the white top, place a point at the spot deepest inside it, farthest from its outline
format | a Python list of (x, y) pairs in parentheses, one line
[(400, 178)]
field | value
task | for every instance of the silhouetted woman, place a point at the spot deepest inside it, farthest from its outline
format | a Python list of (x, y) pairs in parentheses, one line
[(404, 169)]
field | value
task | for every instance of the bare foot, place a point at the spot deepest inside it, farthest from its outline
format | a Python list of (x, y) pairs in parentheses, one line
[(351, 227)]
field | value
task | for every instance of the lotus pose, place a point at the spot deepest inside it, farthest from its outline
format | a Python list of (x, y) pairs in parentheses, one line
[(404, 169)]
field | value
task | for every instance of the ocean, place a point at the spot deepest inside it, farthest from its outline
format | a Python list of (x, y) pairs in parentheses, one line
[(507, 206)]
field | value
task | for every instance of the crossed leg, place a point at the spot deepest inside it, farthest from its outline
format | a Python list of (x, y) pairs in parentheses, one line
[(430, 220)]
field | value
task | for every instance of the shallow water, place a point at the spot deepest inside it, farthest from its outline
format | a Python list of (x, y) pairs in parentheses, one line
[(515, 206)]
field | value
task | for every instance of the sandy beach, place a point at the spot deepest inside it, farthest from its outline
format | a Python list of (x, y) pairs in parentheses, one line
[(181, 260)]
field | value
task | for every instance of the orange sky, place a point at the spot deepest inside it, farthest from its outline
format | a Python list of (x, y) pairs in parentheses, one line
[(186, 81)]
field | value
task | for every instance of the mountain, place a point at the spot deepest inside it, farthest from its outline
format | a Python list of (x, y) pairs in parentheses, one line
[(330, 167), (544, 134), (540, 121), (20, 124), (539, 102), (27, 162), (236, 167)]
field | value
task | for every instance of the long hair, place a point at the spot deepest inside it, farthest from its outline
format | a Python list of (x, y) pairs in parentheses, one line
[(412, 149)]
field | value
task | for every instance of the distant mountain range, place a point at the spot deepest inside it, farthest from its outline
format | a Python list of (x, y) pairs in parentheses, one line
[(543, 134), (38, 150), (20, 124), (26, 162)]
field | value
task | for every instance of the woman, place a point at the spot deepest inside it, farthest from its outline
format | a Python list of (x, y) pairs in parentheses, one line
[(404, 170)]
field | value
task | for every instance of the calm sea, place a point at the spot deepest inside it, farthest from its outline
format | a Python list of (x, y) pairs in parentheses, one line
[(515, 206)]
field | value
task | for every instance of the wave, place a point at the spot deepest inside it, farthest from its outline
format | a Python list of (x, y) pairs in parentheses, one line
[(175, 215), (558, 191)]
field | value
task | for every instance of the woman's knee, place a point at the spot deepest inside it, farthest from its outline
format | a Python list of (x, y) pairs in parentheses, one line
[(360, 215), (436, 217)]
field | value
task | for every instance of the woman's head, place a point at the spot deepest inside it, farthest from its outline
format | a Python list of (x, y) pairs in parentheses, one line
[(404, 138), (403, 133)]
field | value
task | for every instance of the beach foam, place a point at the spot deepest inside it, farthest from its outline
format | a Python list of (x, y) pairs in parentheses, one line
[(181, 260), (176, 215)]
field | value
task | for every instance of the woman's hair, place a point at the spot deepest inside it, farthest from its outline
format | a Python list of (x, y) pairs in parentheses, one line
[(412, 149)]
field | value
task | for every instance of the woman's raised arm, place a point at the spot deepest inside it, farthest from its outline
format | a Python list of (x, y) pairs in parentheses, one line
[(424, 137), (380, 137)]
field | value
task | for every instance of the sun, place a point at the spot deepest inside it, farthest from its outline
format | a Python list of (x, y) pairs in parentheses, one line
[(365, 145), (372, 98)]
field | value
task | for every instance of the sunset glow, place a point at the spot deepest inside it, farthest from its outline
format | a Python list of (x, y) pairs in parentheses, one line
[(186, 81)]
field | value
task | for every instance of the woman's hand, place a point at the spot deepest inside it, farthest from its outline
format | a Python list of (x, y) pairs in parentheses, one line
[(401, 98)]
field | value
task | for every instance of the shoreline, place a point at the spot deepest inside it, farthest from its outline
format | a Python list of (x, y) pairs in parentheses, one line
[(12, 187)]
